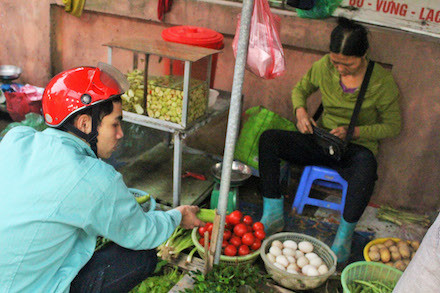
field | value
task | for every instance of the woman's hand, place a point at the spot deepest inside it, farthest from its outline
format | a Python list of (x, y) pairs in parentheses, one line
[(304, 121), (341, 132), (189, 218)]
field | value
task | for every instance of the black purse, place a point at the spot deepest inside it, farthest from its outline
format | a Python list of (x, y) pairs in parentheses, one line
[(331, 145)]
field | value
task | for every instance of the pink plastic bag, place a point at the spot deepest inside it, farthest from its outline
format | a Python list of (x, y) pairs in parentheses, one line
[(265, 54)]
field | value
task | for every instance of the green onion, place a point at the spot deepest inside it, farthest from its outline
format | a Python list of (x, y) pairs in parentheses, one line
[(401, 217), (178, 241), (190, 255), (206, 215)]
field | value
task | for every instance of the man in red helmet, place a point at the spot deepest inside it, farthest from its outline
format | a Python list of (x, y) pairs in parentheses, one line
[(58, 196)]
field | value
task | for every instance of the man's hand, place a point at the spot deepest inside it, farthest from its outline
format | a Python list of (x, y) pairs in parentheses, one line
[(304, 121), (189, 218)]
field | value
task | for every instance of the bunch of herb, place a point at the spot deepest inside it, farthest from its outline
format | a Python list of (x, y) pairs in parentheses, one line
[(160, 283), (227, 278)]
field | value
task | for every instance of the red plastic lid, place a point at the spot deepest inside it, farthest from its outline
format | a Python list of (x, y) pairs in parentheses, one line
[(193, 35)]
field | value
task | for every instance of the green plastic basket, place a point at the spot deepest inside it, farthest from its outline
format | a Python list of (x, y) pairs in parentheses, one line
[(232, 260), (369, 271)]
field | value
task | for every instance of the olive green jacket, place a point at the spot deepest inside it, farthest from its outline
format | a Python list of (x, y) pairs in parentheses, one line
[(380, 113)]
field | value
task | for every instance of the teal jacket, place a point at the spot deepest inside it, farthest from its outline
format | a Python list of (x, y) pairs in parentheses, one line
[(56, 197), (379, 117)]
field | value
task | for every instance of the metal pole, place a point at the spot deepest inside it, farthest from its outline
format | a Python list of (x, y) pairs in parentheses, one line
[(233, 119), (177, 168)]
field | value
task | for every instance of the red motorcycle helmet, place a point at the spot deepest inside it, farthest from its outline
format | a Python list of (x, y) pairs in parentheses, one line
[(75, 89)]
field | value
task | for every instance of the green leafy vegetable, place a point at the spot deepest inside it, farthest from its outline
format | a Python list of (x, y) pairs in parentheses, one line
[(227, 278), (159, 284)]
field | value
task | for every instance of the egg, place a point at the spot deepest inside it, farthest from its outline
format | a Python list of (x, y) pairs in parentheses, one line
[(271, 257), (302, 261), (288, 251), (316, 262), (278, 244), (298, 254), (279, 266), (275, 250), (305, 246), (311, 255), (282, 260), (292, 272), (293, 266), (290, 244), (306, 269), (312, 272), (322, 269), (291, 259)]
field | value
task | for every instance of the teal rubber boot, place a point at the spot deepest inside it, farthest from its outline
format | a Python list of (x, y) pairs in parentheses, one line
[(273, 215), (342, 243)]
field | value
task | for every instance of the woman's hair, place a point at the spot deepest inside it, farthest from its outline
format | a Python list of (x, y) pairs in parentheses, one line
[(349, 38)]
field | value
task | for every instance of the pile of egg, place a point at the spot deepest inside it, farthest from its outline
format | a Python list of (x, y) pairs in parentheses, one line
[(296, 258)]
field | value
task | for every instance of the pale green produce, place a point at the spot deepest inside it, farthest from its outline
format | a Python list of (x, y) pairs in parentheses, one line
[(165, 97), (133, 99)]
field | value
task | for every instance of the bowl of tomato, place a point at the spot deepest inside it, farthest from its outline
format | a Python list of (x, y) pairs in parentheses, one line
[(242, 239)]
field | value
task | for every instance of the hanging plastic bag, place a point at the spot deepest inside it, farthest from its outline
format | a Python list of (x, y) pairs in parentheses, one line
[(321, 9), (265, 54)]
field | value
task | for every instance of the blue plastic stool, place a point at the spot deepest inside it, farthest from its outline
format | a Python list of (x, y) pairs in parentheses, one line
[(322, 176)]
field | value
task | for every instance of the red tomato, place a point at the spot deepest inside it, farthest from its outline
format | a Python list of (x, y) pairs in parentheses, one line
[(227, 220), (260, 234), (224, 243), (249, 228), (209, 227), (230, 250), (248, 239), (243, 250), (256, 245), (235, 217), (248, 220), (202, 231), (240, 229), (236, 241), (202, 241), (258, 226), (227, 235)]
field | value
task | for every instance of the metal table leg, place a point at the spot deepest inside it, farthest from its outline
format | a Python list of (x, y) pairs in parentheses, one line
[(177, 168)]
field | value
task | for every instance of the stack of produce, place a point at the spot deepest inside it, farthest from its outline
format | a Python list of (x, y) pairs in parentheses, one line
[(164, 97), (397, 254), (399, 217), (296, 258), (133, 99), (226, 278), (179, 241), (161, 282), (362, 286), (241, 235)]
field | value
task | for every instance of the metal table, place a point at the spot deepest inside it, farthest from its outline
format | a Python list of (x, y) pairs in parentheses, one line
[(187, 54)]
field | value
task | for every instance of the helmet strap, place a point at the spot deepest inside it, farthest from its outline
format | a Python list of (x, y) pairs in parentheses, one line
[(92, 137)]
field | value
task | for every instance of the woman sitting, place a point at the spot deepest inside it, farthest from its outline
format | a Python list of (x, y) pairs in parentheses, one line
[(338, 76)]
